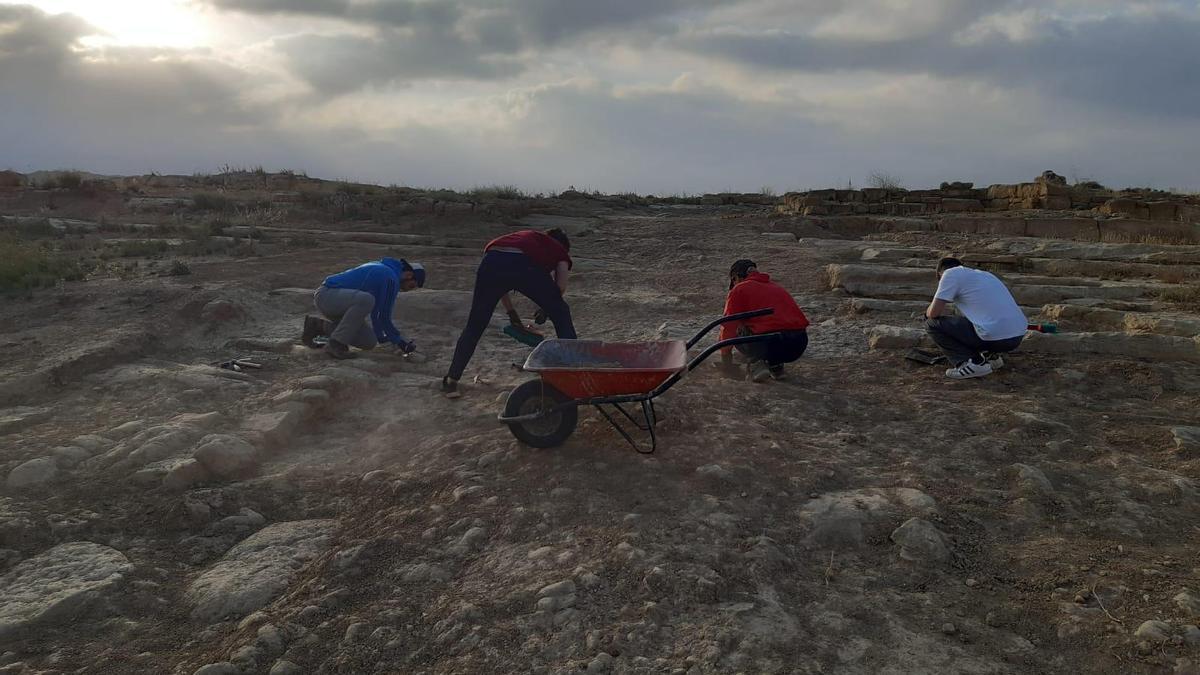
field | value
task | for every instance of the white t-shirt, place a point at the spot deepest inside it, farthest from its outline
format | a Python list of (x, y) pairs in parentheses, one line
[(984, 300)]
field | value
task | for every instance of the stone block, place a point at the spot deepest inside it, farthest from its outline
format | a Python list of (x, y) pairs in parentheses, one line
[(1057, 203), (1162, 210), (1000, 191), (1148, 231), (951, 205), (1076, 229)]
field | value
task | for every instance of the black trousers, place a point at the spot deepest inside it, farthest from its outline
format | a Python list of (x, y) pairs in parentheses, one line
[(500, 272), (782, 348), (958, 339)]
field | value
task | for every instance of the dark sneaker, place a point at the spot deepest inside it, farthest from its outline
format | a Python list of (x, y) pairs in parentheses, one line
[(338, 350), (450, 388), (758, 370), (314, 327), (777, 372)]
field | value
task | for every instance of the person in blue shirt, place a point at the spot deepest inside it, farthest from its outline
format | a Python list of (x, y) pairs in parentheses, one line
[(357, 305)]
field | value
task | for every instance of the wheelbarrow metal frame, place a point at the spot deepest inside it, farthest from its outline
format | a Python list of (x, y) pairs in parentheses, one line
[(647, 399)]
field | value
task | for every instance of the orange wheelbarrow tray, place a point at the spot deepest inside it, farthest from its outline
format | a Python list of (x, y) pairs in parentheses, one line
[(572, 373)]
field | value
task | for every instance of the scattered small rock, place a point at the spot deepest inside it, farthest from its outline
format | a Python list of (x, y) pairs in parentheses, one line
[(226, 456), (715, 471), (1153, 631), (1188, 602), (220, 311), (33, 473), (355, 632), (921, 542), (1191, 636), (69, 456), (220, 668), (283, 667), (949, 628)]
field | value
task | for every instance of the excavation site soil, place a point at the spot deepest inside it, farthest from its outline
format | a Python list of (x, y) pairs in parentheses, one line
[(162, 514)]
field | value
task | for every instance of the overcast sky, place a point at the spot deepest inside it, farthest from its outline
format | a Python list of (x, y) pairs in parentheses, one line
[(652, 96)]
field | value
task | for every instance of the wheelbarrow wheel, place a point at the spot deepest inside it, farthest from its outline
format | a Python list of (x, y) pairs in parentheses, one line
[(550, 431)]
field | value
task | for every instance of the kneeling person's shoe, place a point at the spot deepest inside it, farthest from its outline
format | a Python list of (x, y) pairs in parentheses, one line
[(994, 360), (758, 370), (312, 329), (450, 388), (338, 350), (968, 370), (777, 372)]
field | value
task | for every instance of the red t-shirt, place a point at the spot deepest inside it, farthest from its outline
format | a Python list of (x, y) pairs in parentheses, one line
[(541, 248), (759, 292)]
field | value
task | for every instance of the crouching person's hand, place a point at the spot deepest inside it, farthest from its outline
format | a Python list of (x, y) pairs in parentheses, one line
[(406, 347)]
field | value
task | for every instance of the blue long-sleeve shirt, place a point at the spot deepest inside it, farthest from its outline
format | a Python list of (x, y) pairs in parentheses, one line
[(382, 280)]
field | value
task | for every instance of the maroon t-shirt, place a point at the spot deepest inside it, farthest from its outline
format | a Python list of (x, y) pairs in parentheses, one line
[(541, 248)]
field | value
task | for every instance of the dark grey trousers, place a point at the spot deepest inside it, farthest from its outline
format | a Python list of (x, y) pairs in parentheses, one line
[(350, 310)]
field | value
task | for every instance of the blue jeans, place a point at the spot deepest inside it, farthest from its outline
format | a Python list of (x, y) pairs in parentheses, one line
[(499, 273)]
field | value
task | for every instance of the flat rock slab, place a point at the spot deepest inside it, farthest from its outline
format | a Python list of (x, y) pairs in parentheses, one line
[(257, 570), (843, 519), (58, 584), (1187, 440), (433, 306), (15, 419)]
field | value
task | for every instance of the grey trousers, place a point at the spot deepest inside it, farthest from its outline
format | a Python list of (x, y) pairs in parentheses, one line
[(350, 310)]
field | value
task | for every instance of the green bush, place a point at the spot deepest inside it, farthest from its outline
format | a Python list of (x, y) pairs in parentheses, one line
[(38, 229), (209, 201), (497, 192), (70, 180), (24, 265)]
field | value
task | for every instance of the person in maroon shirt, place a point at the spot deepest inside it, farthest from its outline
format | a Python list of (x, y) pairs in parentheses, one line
[(749, 290), (534, 264)]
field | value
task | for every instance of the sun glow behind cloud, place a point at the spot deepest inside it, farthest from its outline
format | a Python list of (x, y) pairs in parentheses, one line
[(136, 23)]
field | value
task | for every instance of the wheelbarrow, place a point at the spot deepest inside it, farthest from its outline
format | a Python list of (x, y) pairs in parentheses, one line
[(543, 413)]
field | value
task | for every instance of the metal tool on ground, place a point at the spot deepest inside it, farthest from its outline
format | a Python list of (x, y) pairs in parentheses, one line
[(573, 373), (1043, 327), (238, 365), (925, 356), (525, 335)]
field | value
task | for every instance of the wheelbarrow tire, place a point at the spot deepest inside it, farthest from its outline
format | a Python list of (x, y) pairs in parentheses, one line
[(532, 396)]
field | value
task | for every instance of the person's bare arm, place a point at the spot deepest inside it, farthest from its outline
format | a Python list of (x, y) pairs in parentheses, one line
[(507, 302), (561, 274), (936, 308)]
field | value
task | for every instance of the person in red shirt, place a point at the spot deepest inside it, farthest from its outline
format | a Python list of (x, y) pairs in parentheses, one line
[(749, 290), (534, 264)]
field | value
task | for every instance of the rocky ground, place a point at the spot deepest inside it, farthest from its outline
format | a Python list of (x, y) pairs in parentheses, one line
[(160, 514)]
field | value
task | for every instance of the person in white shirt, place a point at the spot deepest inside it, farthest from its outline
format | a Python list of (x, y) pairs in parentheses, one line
[(991, 322)]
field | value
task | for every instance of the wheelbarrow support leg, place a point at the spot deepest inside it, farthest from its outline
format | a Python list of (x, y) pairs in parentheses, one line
[(647, 413)]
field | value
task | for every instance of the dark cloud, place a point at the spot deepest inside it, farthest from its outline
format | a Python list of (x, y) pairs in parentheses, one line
[(340, 64), (121, 109), (29, 33), (1128, 61), (449, 39), (374, 12), (957, 94)]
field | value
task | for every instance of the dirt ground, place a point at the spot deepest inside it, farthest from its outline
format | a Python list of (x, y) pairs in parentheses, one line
[(866, 515)]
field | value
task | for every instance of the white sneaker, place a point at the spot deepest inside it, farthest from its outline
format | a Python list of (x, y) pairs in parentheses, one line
[(994, 360), (968, 370)]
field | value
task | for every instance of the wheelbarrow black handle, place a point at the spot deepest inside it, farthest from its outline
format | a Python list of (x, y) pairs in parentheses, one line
[(726, 319), (731, 342)]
